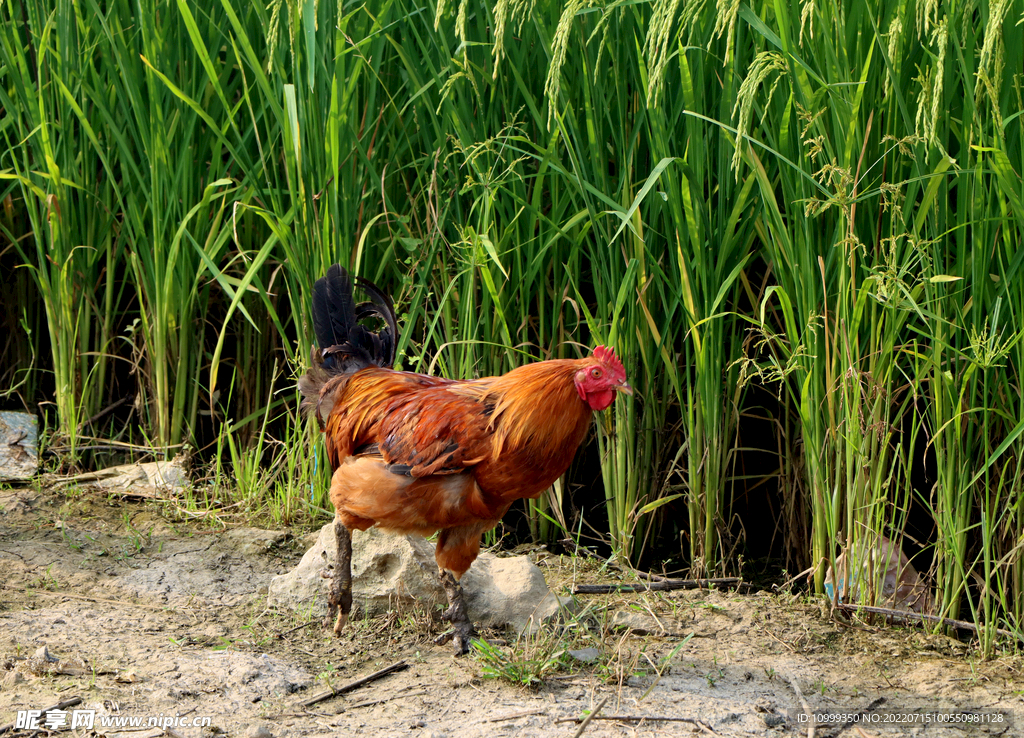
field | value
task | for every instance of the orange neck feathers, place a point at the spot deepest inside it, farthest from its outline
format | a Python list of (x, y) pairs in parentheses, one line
[(537, 405)]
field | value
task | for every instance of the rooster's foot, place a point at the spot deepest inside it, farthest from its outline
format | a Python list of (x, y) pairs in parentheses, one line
[(339, 596), (462, 631), (461, 634)]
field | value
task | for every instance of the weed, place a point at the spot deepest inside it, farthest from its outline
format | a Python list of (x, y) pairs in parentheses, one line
[(525, 665), (48, 581), (715, 674)]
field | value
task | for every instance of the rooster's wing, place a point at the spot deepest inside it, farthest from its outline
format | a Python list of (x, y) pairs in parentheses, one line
[(419, 425), (441, 430)]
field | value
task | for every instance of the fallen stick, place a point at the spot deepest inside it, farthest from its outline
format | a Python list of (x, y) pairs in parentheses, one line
[(283, 633), (637, 718), (103, 600), (655, 586), (917, 617), (515, 716), (877, 701), (591, 716), (371, 703), (803, 704), (398, 666), (42, 713)]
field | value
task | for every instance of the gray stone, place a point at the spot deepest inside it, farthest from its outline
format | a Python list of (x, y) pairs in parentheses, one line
[(19, 446), (255, 541), (390, 569), (386, 570), (258, 731), (509, 591), (13, 679), (586, 655), (882, 575), (639, 622), (142, 479)]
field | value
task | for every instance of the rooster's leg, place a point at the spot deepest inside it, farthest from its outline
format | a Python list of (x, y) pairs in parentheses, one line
[(462, 630), (339, 596)]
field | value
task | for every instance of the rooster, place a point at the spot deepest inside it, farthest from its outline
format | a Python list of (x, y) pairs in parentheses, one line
[(419, 454)]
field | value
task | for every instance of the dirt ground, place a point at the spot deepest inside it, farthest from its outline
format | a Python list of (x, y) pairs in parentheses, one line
[(145, 614)]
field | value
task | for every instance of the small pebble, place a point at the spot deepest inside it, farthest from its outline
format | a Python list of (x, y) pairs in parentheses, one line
[(258, 731), (586, 655)]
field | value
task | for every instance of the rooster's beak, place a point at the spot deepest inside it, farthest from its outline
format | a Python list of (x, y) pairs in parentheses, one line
[(624, 388)]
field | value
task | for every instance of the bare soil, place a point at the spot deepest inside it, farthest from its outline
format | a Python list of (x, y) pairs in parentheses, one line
[(148, 614)]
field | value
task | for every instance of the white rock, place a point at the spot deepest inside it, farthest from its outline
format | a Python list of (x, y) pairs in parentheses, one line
[(586, 655), (385, 569), (508, 591), (258, 731), (155, 478), (19, 441), (388, 569), (167, 476)]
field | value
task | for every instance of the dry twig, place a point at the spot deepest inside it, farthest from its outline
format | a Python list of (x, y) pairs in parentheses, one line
[(917, 617), (516, 716), (42, 713), (875, 703), (640, 718), (803, 704), (283, 633), (668, 584), (398, 666), (103, 600), (382, 700), (591, 716)]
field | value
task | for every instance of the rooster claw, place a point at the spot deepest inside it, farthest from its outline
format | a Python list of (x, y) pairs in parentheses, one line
[(339, 623), (335, 622), (461, 635)]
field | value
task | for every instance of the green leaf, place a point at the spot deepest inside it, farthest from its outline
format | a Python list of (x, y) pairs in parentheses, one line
[(309, 27), (652, 506), (652, 179)]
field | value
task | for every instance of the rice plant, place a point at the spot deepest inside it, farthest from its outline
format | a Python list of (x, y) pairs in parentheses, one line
[(824, 200)]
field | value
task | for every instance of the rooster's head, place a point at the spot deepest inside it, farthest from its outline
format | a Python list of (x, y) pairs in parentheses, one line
[(599, 377)]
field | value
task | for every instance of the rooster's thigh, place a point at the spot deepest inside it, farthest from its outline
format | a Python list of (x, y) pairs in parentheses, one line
[(457, 548), (364, 492)]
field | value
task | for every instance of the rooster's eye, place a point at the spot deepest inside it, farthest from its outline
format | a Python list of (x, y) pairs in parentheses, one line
[(595, 373)]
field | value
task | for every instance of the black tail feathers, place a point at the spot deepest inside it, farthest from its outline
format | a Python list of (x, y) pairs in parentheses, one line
[(346, 345)]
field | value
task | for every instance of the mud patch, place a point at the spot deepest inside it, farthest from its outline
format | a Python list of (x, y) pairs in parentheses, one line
[(168, 619)]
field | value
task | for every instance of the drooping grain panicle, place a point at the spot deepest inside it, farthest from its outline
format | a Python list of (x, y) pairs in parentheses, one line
[(726, 12), (559, 48), (893, 37), (660, 39), (764, 66), (507, 13)]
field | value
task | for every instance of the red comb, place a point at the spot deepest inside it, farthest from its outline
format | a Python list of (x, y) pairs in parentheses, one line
[(606, 355)]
